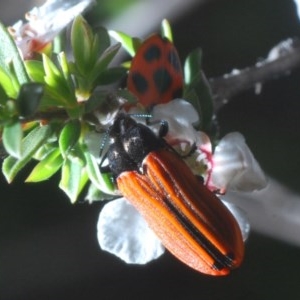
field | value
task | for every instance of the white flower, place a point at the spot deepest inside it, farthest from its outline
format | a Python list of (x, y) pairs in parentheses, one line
[(234, 166), (121, 229), (44, 23)]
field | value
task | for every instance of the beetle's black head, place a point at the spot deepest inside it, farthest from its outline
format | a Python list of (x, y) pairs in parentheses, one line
[(131, 142)]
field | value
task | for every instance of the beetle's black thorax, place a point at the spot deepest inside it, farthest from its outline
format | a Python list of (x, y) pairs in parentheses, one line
[(131, 142)]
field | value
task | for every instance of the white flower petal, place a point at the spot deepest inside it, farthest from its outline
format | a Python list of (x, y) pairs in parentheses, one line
[(203, 142), (45, 22), (235, 166), (241, 218), (178, 109), (180, 116), (123, 232)]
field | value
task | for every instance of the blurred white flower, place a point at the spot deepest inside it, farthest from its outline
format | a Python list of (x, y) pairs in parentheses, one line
[(297, 2), (44, 23)]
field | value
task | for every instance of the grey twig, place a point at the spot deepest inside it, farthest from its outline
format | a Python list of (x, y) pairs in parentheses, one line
[(282, 59)]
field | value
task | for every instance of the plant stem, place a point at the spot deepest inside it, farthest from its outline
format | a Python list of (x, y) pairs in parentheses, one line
[(283, 58)]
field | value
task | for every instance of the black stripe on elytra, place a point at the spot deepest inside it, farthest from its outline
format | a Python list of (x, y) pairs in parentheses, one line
[(221, 261)]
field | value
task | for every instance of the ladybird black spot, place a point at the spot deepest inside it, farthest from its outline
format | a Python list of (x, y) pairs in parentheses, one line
[(140, 82), (152, 53), (174, 61), (162, 80)]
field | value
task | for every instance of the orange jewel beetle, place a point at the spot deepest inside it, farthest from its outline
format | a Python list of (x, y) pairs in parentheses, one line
[(191, 221)]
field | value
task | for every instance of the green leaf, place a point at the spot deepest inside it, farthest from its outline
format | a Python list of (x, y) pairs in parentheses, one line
[(9, 53), (8, 112), (102, 181), (12, 138), (166, 30), (35, 70), (94, 194), (129, 43), (82, 42), (8, 84), (50, 68), (73, 179), (47, 167), (30, 144), (3, 96), (63, 61), (69, 136), (57, 85), (196, 83), (104, 40), (76, 154), (193, 66), (29, 98), (111, 75), (45, 150), (103, 61)]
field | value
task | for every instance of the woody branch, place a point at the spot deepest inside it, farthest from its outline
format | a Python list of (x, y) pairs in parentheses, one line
[(282, 59)]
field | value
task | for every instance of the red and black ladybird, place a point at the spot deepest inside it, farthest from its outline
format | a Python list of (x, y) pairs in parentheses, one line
[(191, 222), (155, 75)]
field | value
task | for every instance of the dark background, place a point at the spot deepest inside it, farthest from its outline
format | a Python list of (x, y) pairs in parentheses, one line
[(48, 247)]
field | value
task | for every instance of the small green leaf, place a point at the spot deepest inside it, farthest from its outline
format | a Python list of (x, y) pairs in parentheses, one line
[(47, 167), (69, 136), (12, 138), (57, 85), (129, 43), (82, 42), (45, 150), (63, 61), (8, 112), (166, 30), (94, 194), (73, 179), (9, 53), (101, 181), (50, 68), (7, 84), (103, 61), (104, 40), (76, 154), (111, 75), (35, 70), (30, 144), (196, 83), (29, 98), (3, 96)]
